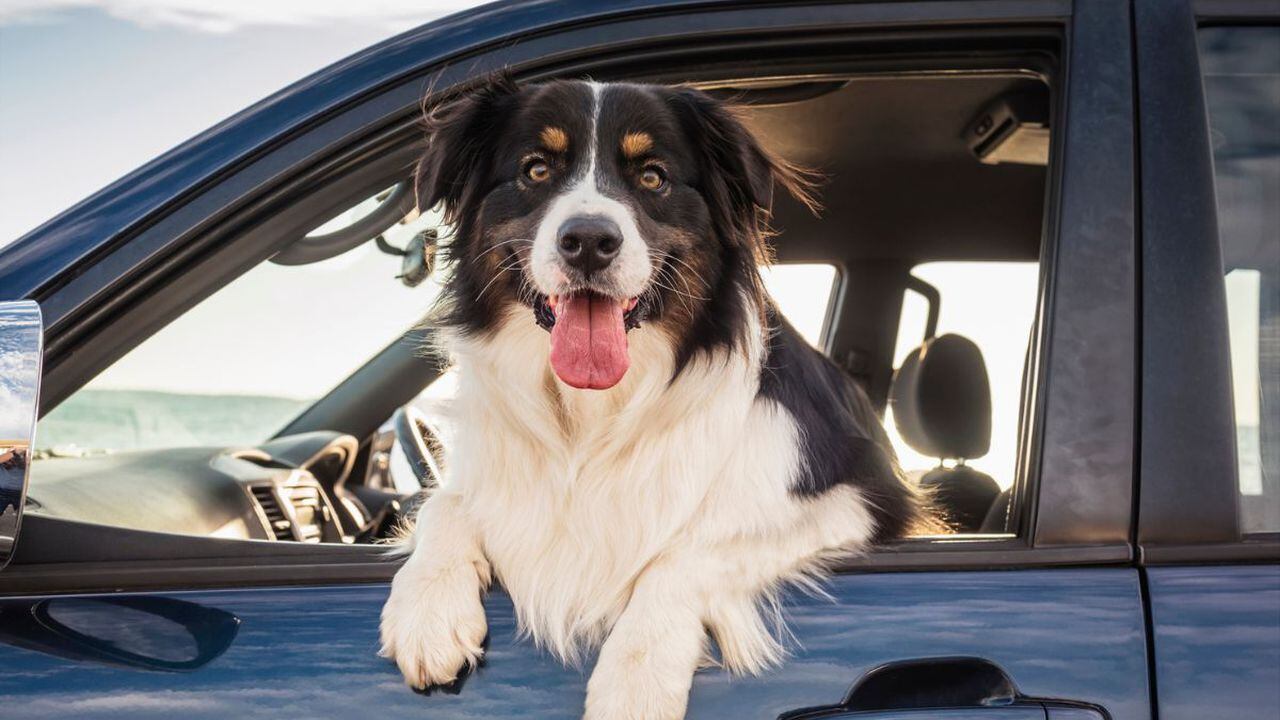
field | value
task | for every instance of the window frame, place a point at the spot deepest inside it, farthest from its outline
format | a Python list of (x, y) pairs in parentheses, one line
[(1189, 507), (1086, 297)]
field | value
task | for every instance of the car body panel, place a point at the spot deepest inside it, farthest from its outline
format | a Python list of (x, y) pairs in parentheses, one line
[(1072, 634), (1216, 633)]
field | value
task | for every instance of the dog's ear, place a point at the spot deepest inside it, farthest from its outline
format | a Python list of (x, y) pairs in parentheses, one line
[(738, 171), (460, 134)]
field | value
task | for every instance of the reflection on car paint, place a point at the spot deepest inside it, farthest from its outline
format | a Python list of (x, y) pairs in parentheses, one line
[(140, 632), (311, 652), (1217, 641)]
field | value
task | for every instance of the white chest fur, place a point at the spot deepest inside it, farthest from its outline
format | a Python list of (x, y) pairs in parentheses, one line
[(575, 492)]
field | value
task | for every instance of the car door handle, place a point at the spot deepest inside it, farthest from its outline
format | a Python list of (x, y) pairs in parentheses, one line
[(1009, 712), (949, 688)]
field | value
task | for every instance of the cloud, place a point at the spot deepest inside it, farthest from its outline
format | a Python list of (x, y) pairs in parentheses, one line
[(231, 15)]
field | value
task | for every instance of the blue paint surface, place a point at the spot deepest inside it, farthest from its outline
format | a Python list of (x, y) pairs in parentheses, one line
[(310, 652), (1217, 641)]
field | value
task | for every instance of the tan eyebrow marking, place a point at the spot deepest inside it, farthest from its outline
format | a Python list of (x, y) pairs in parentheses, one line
[(556, 139), (636, 144)]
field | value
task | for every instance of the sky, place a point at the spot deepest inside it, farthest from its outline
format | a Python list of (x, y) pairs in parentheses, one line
[(91, 89)]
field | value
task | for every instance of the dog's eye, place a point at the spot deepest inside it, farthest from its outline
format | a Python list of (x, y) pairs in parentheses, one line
[(537, 170), (652, 178)]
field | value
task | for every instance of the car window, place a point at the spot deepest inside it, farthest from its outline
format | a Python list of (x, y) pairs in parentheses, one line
[(992, 304), (239, 365), (803, 294), (1241, 68)]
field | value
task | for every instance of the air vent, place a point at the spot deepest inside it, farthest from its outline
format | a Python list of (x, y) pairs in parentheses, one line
[(308, 508), (276, 519)]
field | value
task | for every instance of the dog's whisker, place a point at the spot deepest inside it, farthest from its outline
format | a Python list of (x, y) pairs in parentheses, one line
[(684, 298), (689, 295), (496, 246), (696, 275), (685, 280), (502, 270)]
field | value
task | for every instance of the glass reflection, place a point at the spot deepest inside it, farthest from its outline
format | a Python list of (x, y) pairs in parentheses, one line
[(20, 351)]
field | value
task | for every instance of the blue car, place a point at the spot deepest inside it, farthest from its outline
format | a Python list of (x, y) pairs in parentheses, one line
[(1051, 228)]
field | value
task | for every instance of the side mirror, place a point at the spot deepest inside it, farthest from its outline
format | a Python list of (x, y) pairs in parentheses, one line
[(138, 632), (21, 351)]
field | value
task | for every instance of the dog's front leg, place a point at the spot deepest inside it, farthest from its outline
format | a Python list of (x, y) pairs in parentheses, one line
[(646, 666), (433, 624)]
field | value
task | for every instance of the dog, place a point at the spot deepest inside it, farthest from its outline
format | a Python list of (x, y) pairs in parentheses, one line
[(646, 452)]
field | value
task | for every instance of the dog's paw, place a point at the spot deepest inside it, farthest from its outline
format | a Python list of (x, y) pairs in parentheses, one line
[(433, 624), (636, 691)]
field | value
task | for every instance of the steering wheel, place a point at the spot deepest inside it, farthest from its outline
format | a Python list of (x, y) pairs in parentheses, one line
[(417, 439)]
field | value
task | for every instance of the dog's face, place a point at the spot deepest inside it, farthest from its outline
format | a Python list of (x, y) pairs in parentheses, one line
[(600, 208)]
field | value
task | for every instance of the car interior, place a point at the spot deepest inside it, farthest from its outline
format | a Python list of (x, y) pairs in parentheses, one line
[(927, 163)]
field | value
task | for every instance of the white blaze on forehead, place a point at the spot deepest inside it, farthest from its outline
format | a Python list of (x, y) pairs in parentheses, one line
[(629, 272)]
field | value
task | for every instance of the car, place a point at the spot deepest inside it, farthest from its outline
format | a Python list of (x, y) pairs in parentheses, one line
[(1049, 251)]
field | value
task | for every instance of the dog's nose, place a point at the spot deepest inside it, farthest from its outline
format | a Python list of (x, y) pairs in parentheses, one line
[(589, 243)]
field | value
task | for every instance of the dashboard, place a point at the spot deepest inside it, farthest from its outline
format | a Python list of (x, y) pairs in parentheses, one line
[(292, 488)]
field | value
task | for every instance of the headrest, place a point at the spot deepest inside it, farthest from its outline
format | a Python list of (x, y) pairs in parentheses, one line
[(942, 399)]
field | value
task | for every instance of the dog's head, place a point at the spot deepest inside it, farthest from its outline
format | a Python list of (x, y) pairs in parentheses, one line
[(601, 208)]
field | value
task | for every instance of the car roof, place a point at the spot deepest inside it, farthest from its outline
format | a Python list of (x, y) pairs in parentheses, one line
[(901, 182)]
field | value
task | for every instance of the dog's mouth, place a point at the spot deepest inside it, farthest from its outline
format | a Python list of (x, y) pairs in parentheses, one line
[(588, 336)]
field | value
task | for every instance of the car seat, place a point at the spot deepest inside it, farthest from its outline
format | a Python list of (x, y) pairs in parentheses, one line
[(941, 400)]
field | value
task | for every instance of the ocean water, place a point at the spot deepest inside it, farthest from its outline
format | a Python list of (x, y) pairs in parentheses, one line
[(121, 420)]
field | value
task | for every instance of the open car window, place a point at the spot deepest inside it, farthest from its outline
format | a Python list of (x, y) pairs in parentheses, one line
[(238, 366)]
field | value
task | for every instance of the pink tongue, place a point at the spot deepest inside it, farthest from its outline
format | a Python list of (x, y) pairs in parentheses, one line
[(589, 341)]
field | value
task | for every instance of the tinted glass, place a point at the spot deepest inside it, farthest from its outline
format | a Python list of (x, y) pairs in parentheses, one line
[(1242, 84)]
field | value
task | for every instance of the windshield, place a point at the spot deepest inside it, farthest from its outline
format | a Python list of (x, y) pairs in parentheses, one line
[(241, 364)]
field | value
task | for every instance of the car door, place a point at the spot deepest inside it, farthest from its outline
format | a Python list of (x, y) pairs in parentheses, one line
[(1210, 513), (1044, 621)]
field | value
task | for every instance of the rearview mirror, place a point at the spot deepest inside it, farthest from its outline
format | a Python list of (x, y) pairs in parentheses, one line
[(21, 349)]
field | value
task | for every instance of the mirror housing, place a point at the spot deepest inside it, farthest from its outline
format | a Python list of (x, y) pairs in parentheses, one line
[(21, 353), (138, 632)]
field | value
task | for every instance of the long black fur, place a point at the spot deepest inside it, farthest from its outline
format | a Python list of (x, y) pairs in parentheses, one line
[(842, 440)]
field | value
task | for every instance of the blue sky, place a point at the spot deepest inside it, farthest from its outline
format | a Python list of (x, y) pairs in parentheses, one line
[(90, 89)]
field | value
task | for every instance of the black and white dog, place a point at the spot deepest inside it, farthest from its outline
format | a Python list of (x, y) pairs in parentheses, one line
[(645, 450)]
